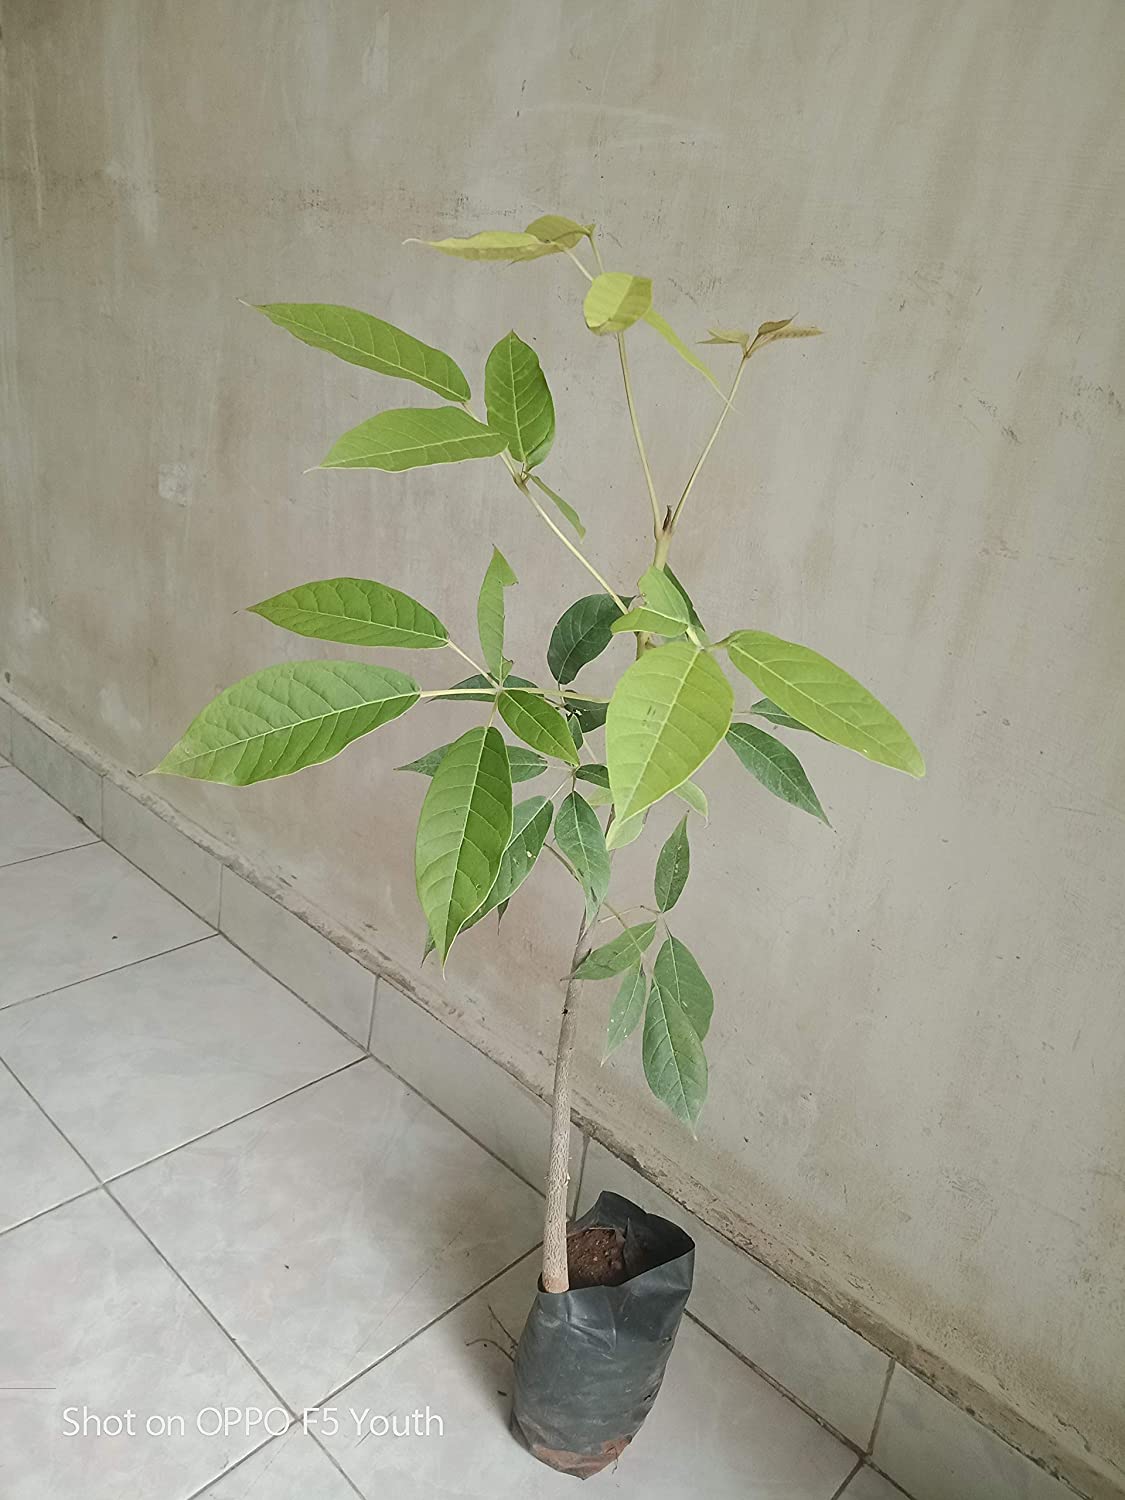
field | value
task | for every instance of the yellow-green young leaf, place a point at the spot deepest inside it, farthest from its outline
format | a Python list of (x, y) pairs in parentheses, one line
[(356, 612), (464, 828), (624, 831), (495, 244), (615, 301), (782, 329), (531, 822), (518, 401), (741, 336), (695, 797), (681, 979), (538, 724), (615, 957), (645, 619), (582, 634), (668, 712), (695, 621), (674, 1062), (672, 866), (767, 330), (775, 766), (363, 340), (414, 437), (823, 697), (579, 835), (654, 320), (525, 765), (664, 612), (564, 507), (628, 1008), (498, 576), (557, 230), (280, 720)]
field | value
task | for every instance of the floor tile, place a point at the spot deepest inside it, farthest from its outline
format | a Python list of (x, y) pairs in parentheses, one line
[(469, 1087), (161, 850), (867, 1485), (291, 1467), (796, 1342), (337, 1223), (94, 1318), (71, 916), (717, 1429), (37, 1167), (31, 823), (58, 771), (935, 1450), (135, 1063), (330, 980)]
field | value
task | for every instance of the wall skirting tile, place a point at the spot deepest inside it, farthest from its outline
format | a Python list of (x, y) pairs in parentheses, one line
[(931, 1447)]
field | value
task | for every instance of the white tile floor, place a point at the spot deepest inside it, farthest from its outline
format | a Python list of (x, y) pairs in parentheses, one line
[(209, 1198)]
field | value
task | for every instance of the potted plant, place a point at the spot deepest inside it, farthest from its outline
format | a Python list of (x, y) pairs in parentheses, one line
[(614, 1286)]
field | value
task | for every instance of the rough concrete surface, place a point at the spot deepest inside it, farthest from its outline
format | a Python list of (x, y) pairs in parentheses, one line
[(918, 1047)]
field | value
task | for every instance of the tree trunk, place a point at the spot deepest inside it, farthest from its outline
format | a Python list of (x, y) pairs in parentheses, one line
[(556, 1275)]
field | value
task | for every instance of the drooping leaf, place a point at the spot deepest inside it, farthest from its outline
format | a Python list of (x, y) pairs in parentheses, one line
[(590, 712), (644, 619), (681, 979), (696, 622), (538, 723), (615, 300), (668, 712), (564, 507), (494, 244), (672, 866), (363, 340), (457, 693), (531, 822), (654, 320), (284, 718), (624, 831), (463, 830), (577, 733), (518, 400), (557, 230), (664, 612), (599, 775), (695, 797), (775, 766), (356, 612), (673, 1057), (579, 835), (612, 958), (822, 696), (525, 764), (765, 709), (414, 437), (628, 1008), (582, 634), (498, 576)]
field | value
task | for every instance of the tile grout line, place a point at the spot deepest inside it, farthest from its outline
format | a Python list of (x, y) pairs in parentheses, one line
[(371, 1021), (218, 1478), (117, 969), (879, 1410), (837, 1494), (30, 859)]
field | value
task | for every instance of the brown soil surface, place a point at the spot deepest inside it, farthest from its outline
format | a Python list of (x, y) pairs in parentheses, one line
[(596, 1257)]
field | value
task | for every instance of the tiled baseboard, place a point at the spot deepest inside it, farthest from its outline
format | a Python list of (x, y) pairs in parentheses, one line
[(930, 1446)]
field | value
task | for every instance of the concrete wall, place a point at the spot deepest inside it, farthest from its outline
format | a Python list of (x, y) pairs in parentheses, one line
[(917, 1054)]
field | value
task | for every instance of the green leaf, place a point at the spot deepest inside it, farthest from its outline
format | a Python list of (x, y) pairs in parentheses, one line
[(557, 230), (782, 329), (614, 957), (696, 622), (695, 797), (668, 712), (665, 611), (579, 835), (564, 507), (498, 576), (280, 720), (765, 709), (413, 437), (525, 764), (457, 694), (615, 301), (654, 320), (582, 633), (643, 618), (599, 775), (495, 244), (672, 866), (628, 1008), (363, 340), (673, 1057), (518, 400), (741, 336), (624, 831), (775, 766), (531, 822), (589, 712), (577, 733), (538, 723), (823, 697), (356, 612), (681, 979), (463, 830)]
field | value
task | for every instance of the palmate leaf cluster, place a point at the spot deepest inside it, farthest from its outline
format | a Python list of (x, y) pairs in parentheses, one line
[(672, 705)]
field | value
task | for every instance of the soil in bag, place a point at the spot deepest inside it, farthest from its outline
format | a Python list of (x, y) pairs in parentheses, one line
[(590, 1360)]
